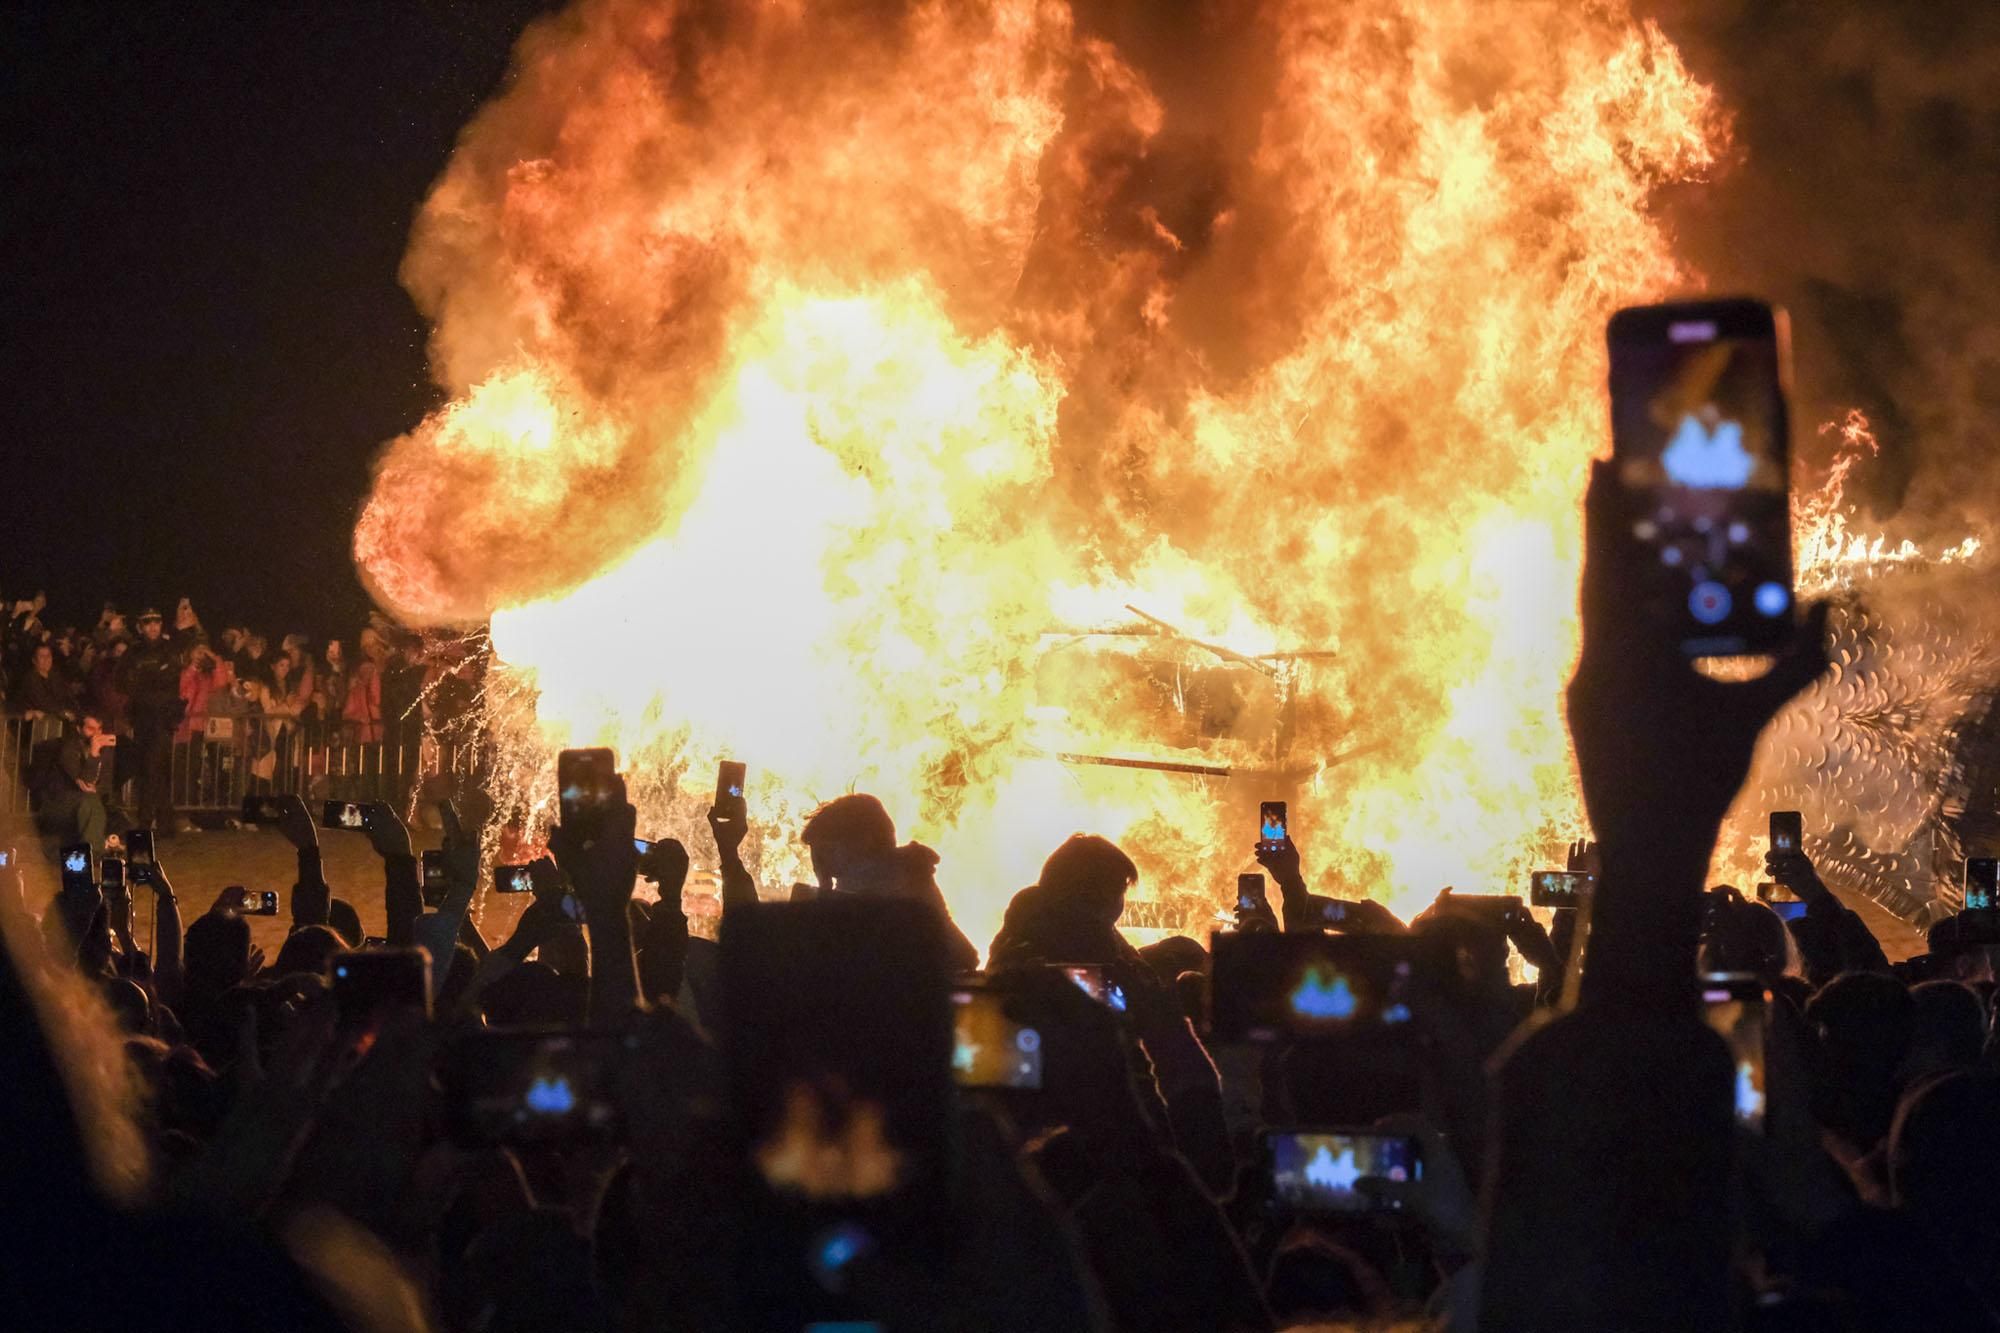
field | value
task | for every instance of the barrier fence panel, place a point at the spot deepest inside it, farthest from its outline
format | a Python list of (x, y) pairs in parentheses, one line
[(233, 757)]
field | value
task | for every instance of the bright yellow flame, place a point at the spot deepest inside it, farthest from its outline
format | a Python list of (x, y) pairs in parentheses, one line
[(829, 383)]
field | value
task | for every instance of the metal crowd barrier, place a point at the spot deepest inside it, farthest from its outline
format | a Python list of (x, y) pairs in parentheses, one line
[(245, 755)]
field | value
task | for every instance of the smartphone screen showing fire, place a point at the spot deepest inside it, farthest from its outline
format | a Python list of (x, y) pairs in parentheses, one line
[(1699, 432), (991, 1050), (1315, 1172), (1268, 987)]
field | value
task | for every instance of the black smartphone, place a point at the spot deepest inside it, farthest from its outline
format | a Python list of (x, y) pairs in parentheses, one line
[(1272, 825), (1496, 908), (342, 815), (587, 782), (374, 941), (436, 886), (513, 879), (1098, 984), (1787, 830), (139, 852), (1735, 1005), (642, 846), (111, 873), (78, 875), (991, 1049), (257, 902), (262, 809), (1250, 896), (1558, 888), (729, 800), (369, 983), (1980, 889), (1701, 446), (1269, 987), (833, 1112), (1319, 1170), (531, 1087)]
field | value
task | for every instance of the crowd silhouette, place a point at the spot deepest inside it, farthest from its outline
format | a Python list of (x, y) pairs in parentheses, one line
[(1687, 1112)]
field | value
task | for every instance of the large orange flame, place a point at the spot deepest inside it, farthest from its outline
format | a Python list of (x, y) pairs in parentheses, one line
[(830, 380)]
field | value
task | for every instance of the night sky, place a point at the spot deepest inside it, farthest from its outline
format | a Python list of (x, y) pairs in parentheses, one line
[(205, 341)]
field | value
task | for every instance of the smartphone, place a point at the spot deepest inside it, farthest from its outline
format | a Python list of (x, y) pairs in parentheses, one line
[(1272, 825), (374, 941), (1270, 987), (729, 800), (139, 852), (531, 1087), (832, 1112), (1788, 911), (641, 846), (1980, 889), (803, 892), (369, 983), (989, 1048), (1735, 1005), (436, 886), (1700, 441), (1092, 981), (513, 879), (341, 815), (1559, 888), (252, 902), (1787, 830), (1250, 895), (111, 873), (6, 857), (77, 873), (1317, 1170), (262, 809), (1496, 907), (587, 781)]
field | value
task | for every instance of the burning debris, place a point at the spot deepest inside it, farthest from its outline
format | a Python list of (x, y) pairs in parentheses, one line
[(808, 363)]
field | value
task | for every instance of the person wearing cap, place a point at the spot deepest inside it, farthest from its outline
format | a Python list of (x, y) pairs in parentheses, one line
[(152, 687)]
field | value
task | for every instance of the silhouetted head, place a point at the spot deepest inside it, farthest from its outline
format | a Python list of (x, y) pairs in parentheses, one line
[(1947, 1030), (1174, 955), (1090, 876), (129, 1005), (1944, 1172), (346, 922), (1742, 936), (216, 955), (307, 950), (1863, 1024), (845, 832)]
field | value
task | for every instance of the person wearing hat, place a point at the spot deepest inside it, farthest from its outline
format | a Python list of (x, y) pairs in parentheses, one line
[(152, 687)]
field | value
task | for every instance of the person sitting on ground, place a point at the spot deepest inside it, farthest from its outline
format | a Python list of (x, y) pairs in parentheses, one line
[(853, 845), (73, 808)]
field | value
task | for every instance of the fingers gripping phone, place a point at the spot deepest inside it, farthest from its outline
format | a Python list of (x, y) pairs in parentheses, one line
[(1700, 444)]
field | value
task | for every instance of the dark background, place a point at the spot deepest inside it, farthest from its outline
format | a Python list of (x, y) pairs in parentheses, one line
[(204, 341)]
